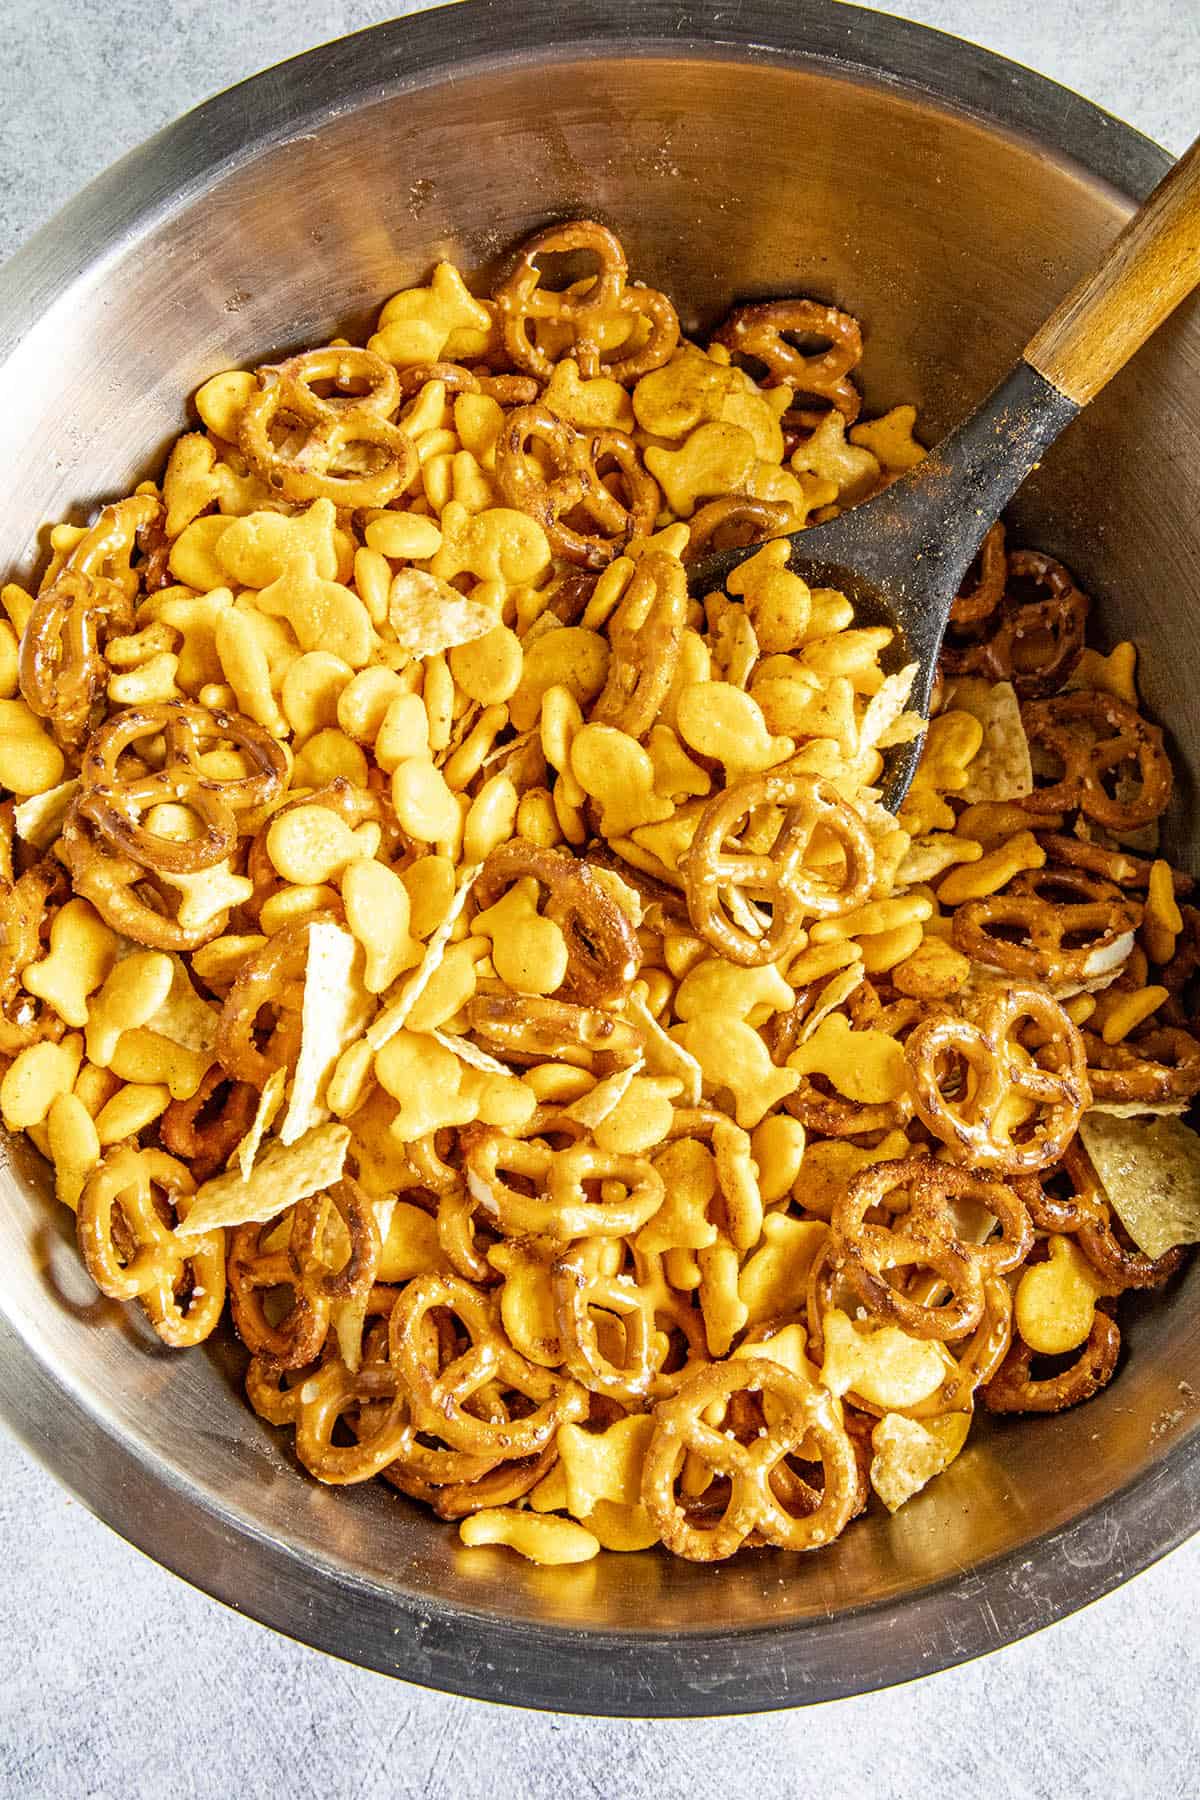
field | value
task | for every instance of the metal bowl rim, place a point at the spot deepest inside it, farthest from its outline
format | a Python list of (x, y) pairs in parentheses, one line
[(464, 1650)]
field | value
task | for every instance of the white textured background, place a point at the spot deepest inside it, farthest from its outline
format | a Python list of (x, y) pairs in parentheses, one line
[(117, 1681)]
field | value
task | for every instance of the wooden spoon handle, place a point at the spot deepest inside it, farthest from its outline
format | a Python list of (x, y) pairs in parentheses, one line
[(1149, 269)]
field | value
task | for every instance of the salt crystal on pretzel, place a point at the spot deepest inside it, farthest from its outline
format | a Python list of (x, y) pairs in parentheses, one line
[(269, 1102), (39, 819), (335, 1009), (284, 1174), (395, 1017), (1001, 768), (1151, 1176), (428, 616)]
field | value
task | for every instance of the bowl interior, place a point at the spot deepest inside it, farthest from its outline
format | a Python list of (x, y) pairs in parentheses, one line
[(728, 175)]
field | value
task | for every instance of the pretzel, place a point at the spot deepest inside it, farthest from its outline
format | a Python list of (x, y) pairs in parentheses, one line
[(1118, 866), (602, 946), (125, 894), (626, 1369), (116, 800), (980, 601), (205, 1130), (25, 908), (993, 1070), (62, 668), (1157, 1067), (732, 522), (777, 876), (584, 312), (1035, 643), (927, 1236), (106, 550), (567, 1185), (522, 1029), (1067, 918), (763, 331), (309, 446), (555, 472), (806, 1418), (270, 977), (1013, 1389), (1083, 1212), (443, 1389), (126, 1237), (1094, 734), (292, 1340), (499, 1485), (507, 390)]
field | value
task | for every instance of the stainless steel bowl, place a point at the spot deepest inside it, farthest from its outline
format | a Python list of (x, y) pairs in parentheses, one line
[(946, 197)]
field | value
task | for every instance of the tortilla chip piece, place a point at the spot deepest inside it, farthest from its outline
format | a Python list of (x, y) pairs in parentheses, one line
[(592, 1108), (908, 1454), (836, 991), (395, 1017), (1001, 768), (39, 819), (269, 1102), (661, 1055), (185, 1016), (283, 1174), (335, 1009), (1150, 1171), (471, 1053), (885, 707), (429, 616)]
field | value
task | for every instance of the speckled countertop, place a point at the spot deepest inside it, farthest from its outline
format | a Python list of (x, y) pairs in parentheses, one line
[(118, 1681)]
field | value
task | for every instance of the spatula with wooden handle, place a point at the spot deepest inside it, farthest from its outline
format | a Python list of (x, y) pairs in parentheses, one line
[(901, 558)]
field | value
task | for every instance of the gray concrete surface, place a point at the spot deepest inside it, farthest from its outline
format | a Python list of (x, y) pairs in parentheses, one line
[(116, 1681)]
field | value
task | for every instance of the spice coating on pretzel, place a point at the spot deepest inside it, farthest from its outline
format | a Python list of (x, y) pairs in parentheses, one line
[(490, 967)]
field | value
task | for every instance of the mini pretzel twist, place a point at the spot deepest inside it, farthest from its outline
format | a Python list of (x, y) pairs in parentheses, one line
[(271, 977), (586, 312), (1084, 1213), (507, 390), (205, 1130), (777, 876), (763, 331), (311, 446), (25, 910), (116, 800), (1096, 738), (107, 549), (563, 1194), (806, 1423), (1066, 918), (927, 1237), (555, 472), (732, 522), (644, 634), (602, 946), (126, 1233), (62, 668), (964, 1071), (1014, 1389), (623, 1363), (445, 1391), (1156, 1067), (1034, 643), (524, 1030), (125, 894)]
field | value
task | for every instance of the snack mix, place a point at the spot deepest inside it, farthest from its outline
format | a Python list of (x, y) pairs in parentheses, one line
[(493, 973)]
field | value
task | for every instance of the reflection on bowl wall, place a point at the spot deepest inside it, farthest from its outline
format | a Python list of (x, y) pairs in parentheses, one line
[(947, 199)]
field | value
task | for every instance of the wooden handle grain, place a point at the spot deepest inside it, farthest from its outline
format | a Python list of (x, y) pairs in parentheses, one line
[(1150, 268)]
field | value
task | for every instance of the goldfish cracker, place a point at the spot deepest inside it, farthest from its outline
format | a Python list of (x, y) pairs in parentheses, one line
[(993, 871), (539, 1537), (74, 1146), (777, 1144), (83, 951), (1055, 1301), (721, 722), (890, 439), (35, 1079), (1162, 921)]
